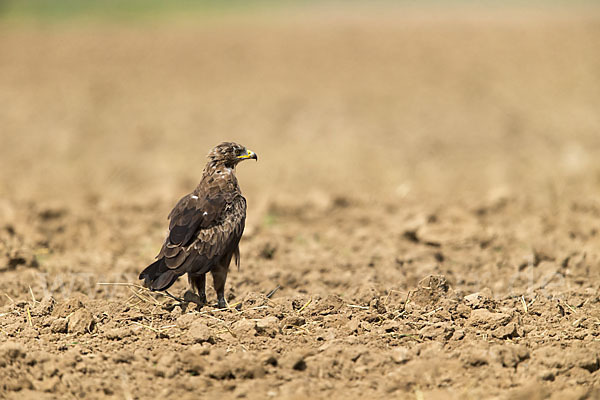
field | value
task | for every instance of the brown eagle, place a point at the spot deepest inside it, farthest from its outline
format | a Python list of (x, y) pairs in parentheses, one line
[(205, 229)]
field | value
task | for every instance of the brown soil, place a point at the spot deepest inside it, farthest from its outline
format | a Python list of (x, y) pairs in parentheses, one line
[(427, 200)]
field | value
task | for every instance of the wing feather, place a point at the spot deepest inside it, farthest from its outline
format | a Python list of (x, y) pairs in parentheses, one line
[(202, 231), (176, 261), (190, 214)]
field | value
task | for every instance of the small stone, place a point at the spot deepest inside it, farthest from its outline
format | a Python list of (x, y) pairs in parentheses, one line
[(483, 317), (118, 333), (185, 321), (389, 326), (472, 298), (66, 308), (59, 325), (458, 335), (433, 331), (46, 306), (510, 330), (294, 320), (81, 321), (200, 332), (244, 327), (353, 325), (330, 305), (479, 299), (268, 326)]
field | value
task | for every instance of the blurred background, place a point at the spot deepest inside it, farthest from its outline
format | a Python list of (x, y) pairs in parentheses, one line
[(118, 99)]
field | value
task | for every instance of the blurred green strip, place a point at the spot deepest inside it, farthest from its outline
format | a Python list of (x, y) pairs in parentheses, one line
[(62, 10), (123, 9)]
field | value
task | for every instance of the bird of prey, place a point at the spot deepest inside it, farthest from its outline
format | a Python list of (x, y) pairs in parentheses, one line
[(204, 230)]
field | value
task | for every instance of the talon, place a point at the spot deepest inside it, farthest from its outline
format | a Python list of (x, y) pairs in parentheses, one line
[(171, 307), (222, 304), (174, 297), (192, 297)]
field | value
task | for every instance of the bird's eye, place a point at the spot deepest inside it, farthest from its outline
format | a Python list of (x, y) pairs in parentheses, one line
[(240, 152)]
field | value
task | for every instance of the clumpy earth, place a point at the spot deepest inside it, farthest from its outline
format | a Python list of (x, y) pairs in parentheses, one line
[(422, 223)]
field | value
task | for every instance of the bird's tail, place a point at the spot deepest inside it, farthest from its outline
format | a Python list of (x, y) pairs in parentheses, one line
[(157, 276)]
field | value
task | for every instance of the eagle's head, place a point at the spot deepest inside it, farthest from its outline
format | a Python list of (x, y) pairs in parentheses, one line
[(229, 154)]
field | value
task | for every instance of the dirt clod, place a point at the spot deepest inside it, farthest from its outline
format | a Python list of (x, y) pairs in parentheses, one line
[(200, 332), (67, 307), (268, 326), (81, 321), (60, 325)]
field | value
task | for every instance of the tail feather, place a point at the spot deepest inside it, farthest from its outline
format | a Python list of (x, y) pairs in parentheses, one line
[(157, 276)]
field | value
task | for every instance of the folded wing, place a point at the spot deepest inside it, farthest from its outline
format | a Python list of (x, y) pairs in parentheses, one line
[(202, 230)]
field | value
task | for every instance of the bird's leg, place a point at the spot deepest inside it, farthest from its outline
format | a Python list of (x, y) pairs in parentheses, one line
[(197, 283), (201, 287), (219, 274)]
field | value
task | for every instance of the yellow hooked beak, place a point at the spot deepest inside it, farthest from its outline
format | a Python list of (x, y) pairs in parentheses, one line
[(249, 154)]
